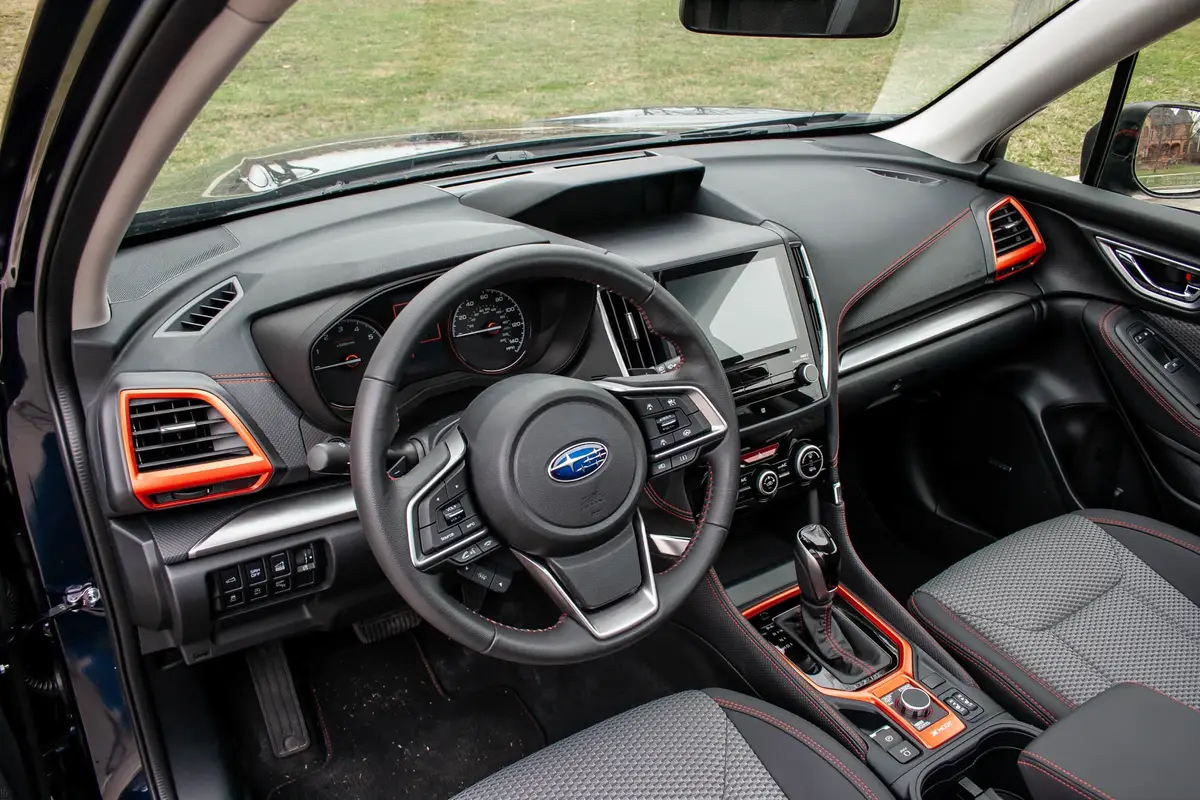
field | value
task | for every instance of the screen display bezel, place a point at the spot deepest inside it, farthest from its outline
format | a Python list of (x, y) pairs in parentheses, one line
[(790, 279)]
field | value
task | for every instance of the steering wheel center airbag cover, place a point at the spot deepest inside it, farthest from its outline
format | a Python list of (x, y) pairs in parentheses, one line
[(558, 462)]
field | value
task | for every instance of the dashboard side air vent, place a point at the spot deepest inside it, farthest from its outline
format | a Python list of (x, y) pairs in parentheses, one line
[(1015, 239), (910, 177), (186, 445), (638, 349), (203, 311)]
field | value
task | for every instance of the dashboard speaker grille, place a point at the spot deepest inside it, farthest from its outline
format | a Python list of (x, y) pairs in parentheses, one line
[(178, 432), (640, 350)]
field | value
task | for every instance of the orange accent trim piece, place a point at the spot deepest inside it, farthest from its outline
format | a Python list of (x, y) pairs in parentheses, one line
[(146, 485), (1023, 258), (930, 738)]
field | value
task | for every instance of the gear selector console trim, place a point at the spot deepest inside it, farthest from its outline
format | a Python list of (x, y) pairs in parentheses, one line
[(936, 726)]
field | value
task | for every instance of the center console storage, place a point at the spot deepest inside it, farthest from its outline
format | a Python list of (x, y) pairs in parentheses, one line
[(984, 770)]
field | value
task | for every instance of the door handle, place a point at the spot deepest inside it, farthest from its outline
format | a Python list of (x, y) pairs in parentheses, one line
[(1153, 275)]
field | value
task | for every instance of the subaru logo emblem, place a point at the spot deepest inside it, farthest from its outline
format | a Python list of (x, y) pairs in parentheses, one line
[(577, 461)]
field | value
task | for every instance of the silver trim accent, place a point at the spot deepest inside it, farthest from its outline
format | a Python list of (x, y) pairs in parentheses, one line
[(1123, 258), (237, 285), (703, 405), (758, 483), (670, 546), (615, 619), (279, 518), (810, 283), (608, 331), (960, 317), (457, 445), (837, 493)]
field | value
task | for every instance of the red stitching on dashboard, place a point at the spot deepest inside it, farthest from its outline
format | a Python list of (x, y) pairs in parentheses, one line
[(871, 284), (240, 374), (247, 380)]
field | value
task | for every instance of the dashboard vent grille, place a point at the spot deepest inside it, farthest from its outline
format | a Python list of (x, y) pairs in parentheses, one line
[(180, 432), (201, 312), (910, 177), (640, 350), (1010, 230)]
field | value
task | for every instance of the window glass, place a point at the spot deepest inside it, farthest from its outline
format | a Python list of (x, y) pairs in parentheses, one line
[(1052, 140), (15, 18)]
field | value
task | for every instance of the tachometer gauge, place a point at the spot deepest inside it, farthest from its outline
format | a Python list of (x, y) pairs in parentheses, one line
[(487, 332), (340, 357)]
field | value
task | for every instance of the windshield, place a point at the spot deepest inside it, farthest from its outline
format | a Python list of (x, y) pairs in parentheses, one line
[(336, 85)]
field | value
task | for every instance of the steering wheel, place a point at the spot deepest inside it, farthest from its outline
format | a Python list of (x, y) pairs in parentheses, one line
[(551, 467)]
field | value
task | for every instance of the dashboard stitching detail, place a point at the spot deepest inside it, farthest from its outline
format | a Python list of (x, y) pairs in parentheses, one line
[(878, 279), (699, 524), (240, 374), (247, 380), (1157, 397)]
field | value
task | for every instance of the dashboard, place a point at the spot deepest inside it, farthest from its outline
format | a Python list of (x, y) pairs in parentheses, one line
[(235, 352)]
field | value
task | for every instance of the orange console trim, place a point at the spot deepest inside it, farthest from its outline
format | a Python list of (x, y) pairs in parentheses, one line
[(1024, 257), (932, 737), (147, 485)]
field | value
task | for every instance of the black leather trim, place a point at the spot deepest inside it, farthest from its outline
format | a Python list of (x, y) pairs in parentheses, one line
[(1128, 741), (804, 761), (1025, 695), (1171, 552)]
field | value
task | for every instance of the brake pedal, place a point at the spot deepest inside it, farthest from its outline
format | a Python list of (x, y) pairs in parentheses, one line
[(390, 624), (278, 700)]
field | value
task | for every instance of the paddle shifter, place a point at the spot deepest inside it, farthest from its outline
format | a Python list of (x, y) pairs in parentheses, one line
[(833, 637)]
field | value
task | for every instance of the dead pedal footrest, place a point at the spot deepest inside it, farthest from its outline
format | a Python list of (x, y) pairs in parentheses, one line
[(278, 700)]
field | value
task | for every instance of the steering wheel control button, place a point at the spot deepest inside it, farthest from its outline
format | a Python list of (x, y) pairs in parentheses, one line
[(279, 565), (229, 579), (258, 592), (453, 513), (914, 703), (659, 443), (281, 585), (255, 572), (456, 484), (904, 752), (887, 737), (678, 403), (683, 459), (432, 539), (648, 406), (699, 422), (488, 543), (667, 422), (660, 467), (467, 554)]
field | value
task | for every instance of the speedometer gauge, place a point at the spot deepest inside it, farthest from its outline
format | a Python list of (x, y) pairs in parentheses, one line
[(339, 359), (487, 332)]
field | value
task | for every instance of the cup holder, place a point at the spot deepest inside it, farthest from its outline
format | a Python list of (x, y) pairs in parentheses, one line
[(989, 766)]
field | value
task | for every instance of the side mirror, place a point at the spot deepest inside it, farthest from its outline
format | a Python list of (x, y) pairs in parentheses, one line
[(1155, 151), (826, 19)]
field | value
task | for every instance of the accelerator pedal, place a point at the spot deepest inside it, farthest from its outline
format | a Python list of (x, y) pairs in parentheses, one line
[(278, 700), (382, 627)]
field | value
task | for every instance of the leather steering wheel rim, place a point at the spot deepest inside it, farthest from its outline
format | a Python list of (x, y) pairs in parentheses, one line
[(378, 496)]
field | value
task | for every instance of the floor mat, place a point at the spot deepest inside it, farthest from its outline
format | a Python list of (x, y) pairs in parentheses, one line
[(387, 729)]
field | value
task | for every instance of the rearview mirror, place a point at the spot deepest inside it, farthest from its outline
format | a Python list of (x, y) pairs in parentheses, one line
[(1168, 152), (830, 19)]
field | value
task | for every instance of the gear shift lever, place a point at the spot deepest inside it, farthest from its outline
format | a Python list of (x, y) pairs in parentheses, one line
[(834, 639), (818, 564)]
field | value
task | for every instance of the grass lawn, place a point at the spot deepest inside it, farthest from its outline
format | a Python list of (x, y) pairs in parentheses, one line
[(337, 67)]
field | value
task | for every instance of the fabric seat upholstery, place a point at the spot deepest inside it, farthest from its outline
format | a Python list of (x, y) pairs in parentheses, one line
[(711, 745), (1051, 616)]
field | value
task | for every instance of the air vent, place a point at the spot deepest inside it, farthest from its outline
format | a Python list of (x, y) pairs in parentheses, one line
[(185, 445), (1015, 239), (910, 177), (199, 314), (639, 350), (180, 431)]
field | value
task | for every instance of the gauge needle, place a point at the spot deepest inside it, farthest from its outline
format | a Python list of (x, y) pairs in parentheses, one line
[(491, 328), (349, 362)]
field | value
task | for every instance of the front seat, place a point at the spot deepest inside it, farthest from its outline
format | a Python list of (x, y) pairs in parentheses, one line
[(1055, 614), (697, 745)]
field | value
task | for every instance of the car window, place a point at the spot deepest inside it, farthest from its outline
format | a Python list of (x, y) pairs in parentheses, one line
[(1168, 155), (16, 16), (1052, 140)]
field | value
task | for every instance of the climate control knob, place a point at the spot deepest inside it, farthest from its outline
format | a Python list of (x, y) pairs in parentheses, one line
[(807, 462), (766, 482), (914, 703)]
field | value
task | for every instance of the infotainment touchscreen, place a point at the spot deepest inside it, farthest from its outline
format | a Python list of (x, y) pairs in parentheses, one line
[(748, 309)]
